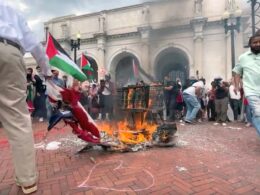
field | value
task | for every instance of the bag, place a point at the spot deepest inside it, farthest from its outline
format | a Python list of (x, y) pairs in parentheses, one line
[(179, 98)]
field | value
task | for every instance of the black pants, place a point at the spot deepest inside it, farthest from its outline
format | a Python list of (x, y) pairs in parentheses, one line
[(235, 105), (211, 110), (172, 108), (40, 106), (108, 107)]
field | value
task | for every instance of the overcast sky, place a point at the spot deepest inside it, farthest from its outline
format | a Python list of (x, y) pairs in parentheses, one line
[(39, 11)]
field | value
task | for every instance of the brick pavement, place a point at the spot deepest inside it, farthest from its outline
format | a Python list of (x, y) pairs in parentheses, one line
[(207, 160)]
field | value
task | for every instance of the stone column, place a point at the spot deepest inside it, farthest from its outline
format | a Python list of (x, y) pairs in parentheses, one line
[(101, 50), (102, 22), (197, 68), (101, 44), (145, 54), (146, 15), (198, 8), (228, 67)]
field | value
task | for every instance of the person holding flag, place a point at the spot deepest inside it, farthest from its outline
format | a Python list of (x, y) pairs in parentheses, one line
[(16, 38), (86, 67), (61, 60)]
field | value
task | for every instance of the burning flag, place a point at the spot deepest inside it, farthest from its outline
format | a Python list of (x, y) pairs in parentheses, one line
[(86, 67), (61, 60)]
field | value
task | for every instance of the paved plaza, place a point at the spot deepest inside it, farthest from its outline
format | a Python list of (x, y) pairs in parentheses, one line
[(207, 160)]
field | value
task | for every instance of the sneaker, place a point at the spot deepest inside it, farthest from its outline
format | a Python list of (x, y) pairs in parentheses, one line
[(29, 189), (224, 124), (199, 120), (248, 124), (99, 117), (41, 119), (189, 122), (215, 123)]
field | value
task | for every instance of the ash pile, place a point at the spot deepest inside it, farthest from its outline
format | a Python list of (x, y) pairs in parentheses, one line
[(132, 141)]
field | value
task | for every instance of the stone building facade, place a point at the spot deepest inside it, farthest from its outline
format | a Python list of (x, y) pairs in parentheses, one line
[(182, 38)]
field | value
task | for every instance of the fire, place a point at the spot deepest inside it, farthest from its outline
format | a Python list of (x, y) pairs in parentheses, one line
[(138, 102), (127, 134), (130, 98)]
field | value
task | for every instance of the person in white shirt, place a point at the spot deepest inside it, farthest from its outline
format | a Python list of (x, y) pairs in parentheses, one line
[(190, 96), (15, 39), (235, 100), (108, 92)]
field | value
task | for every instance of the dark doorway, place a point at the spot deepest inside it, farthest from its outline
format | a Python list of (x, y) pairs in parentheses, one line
[(174, 63), (125, 71)]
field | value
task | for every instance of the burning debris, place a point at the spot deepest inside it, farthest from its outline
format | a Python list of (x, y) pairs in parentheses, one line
[(165, 135), (141, 106)]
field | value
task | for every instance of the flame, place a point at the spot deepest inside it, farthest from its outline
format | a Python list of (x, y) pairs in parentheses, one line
[(130, 98), (140, 131), (123, 130)]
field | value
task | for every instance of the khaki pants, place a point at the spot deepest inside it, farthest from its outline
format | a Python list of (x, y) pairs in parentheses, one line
[(14, 114), (221, 107)]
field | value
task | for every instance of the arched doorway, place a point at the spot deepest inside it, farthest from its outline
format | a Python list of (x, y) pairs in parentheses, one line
[(174, 63), (93, 64), (126, 69), (125, 73)]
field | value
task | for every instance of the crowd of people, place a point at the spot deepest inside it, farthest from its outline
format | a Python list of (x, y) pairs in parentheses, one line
[(96, 98), (16, 38), (196, 103), (191, 103)]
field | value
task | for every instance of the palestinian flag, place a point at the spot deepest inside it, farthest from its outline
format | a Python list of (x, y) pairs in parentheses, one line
[(86, 67), (61, 60)]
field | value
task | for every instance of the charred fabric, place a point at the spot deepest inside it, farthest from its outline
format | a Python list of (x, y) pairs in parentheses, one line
[(142, 126)]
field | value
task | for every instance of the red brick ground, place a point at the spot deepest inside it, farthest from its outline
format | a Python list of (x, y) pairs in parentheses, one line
[(207, 160)]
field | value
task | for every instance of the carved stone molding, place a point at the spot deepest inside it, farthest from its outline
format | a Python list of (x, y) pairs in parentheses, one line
[(125, 35), (102, 22), (198, 8), (198, 25), (145, 31)]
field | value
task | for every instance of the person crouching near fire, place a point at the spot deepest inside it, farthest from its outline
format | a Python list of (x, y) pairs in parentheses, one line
[(191, 98)]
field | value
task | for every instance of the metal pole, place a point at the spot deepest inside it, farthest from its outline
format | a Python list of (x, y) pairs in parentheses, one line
[(253, 3), (233, 46), (75, 54)]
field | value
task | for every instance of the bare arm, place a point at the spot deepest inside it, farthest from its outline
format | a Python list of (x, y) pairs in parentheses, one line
[(198, 91), (168, 88), (237, 79)]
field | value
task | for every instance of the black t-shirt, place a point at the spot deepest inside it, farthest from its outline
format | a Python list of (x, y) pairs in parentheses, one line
[(39, 86), (173, 92), (221, 92)]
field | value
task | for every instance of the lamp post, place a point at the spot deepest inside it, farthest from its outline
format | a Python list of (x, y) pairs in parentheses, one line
[(232, 23), (75, 44), (46, 33), (255, 7)]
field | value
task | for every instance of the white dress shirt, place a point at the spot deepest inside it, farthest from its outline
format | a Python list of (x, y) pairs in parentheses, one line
[(106, 91), (13, 27), (232, 93)]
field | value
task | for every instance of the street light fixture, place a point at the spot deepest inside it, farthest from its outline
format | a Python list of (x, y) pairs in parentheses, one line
[(75, 44), (231, 23), (255, 7)]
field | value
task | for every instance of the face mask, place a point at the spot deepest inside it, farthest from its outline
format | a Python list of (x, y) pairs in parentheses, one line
[(255, 49)]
